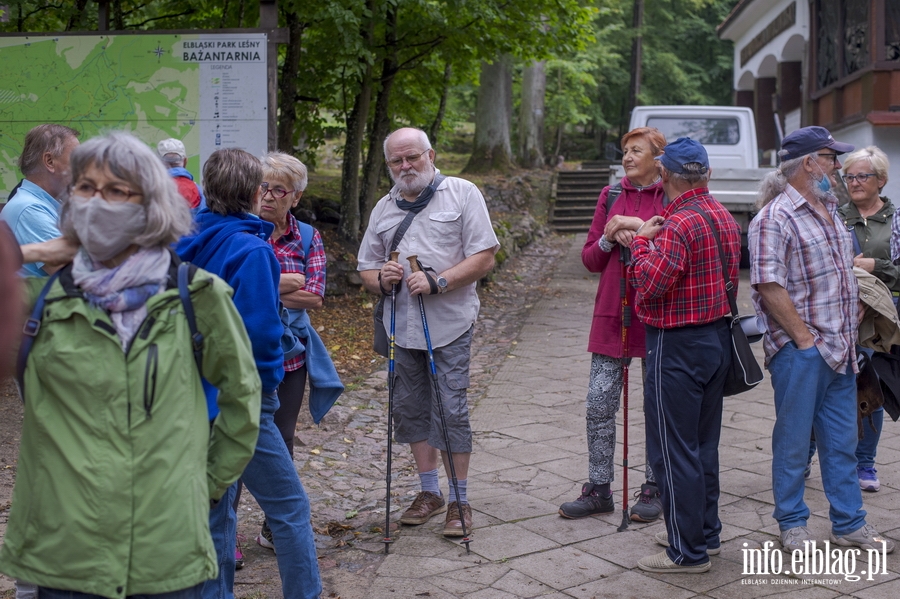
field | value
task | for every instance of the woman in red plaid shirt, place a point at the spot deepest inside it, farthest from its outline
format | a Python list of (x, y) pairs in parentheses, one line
[(302, 284)]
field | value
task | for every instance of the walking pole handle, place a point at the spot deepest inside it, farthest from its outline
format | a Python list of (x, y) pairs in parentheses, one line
[(413, 262), (395, 256)]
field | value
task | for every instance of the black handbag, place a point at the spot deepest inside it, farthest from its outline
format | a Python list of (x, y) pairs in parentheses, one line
[(744, 373)]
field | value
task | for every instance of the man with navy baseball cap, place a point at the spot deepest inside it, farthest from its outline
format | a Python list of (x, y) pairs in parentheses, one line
[(801, 269), (808, 140), (679, 277)]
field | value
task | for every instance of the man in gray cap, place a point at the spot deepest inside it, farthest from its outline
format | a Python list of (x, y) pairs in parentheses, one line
[(174, 156), (679, 276), (801, 257)]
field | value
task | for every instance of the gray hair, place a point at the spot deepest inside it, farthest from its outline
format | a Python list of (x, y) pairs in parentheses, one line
[(40, 140), (878, 160), (423, 140), (231, 179), (280, 164), (173, 160), (774, 183), (129, 159), (694, 173)]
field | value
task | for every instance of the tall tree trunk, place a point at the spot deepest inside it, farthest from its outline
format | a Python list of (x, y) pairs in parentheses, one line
[(118, 17), (491, 151), (288, 83), (435, 129), (77, 14), (531, 117), (637, 23), (356, 131), (381, 122)]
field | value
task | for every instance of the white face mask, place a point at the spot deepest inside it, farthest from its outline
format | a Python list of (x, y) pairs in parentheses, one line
[(106, 229)]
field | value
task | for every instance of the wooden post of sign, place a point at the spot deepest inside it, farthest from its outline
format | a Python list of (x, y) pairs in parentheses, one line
[(268, 19)]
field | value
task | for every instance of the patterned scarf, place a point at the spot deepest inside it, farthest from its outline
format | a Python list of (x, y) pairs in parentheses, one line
[(123, 291)]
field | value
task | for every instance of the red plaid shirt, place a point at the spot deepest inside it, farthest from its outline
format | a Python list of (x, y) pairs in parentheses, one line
[(289, 251), (678, 275)]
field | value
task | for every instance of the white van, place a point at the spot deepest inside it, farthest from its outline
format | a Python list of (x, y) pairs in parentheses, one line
[(727, 132)]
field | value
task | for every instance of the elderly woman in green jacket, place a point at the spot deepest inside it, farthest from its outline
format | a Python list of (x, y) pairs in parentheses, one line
[(119, 460), (869, 217)]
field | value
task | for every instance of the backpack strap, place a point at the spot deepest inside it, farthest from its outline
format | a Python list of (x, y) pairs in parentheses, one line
[(306, 235), (30, 331), (186, 272), (614, 192)]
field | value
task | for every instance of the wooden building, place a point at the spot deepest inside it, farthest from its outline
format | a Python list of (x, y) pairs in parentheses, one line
[(834, 63)]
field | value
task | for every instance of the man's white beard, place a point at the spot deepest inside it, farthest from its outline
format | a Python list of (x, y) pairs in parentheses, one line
[(413, 186)]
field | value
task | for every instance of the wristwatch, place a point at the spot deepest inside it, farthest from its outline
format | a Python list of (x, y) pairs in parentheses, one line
[(442, 284)]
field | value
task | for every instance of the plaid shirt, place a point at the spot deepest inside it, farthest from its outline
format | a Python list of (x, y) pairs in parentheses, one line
[(289, 251), (793, 246), (678, 275)]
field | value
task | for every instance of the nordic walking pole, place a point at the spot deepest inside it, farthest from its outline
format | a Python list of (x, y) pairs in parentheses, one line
[(625, 258), (414, 266), (395, 256)]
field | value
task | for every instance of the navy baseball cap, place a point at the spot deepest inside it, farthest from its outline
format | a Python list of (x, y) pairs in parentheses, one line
[(683, 150), (809, 139)]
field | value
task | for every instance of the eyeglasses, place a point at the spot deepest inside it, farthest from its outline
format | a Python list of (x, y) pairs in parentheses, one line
[(832, 156), (862, 177), (112, 192), (395, 162), (277, 192)]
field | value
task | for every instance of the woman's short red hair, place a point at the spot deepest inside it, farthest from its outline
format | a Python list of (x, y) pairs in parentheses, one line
[(654, 136)]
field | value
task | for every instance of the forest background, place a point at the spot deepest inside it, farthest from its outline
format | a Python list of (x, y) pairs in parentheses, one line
[(533, 80)]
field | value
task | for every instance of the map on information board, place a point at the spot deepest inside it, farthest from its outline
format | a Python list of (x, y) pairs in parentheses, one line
[(208, 90)]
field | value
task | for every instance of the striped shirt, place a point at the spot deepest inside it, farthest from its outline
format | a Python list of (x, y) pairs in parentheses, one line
[(289, 251), (678, 276), (794, 246)]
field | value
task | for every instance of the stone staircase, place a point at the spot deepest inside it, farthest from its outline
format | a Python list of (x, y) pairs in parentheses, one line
[(574, 197)]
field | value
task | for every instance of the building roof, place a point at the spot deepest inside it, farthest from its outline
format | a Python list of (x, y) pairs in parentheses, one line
[(733, 15)]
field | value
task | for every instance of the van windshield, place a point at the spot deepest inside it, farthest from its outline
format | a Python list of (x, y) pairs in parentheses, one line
[(723, 131)]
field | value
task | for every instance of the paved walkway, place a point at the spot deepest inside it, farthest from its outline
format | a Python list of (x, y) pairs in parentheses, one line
[(530, 456)]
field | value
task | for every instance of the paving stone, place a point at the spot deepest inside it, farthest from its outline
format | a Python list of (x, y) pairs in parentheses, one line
[(627, 585), (507, 541)]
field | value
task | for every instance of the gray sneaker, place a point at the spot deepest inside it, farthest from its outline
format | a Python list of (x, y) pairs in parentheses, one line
[(864, 538), (793, 538), (648, 506), (588, 504)]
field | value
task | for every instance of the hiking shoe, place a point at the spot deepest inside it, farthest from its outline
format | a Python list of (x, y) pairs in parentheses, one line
[(868, 481), (864, 538), (453, 524), (648, 506), (589, 504), (264, 539), (660, 562), (793, 538), (424, 506), (239, 552), (662, 538)]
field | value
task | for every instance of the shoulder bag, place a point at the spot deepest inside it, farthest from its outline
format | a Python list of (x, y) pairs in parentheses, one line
[(744, 373)]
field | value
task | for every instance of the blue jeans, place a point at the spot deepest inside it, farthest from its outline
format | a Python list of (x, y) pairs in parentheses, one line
[(811, 396), (188, 593), (272, 479)]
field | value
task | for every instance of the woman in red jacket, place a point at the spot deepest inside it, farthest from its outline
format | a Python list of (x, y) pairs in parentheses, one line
[(615, 221)]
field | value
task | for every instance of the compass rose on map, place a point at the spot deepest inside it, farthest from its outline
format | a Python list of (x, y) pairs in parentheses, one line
[(159, 52)]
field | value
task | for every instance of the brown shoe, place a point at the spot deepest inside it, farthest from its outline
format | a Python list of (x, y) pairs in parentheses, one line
[(424, 506), (453, 525)]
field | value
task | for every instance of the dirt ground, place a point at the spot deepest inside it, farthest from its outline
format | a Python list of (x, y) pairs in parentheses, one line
[(342, 461)]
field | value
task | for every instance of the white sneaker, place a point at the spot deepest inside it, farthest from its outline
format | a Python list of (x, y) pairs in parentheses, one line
[(864, 538), (793, 538)]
